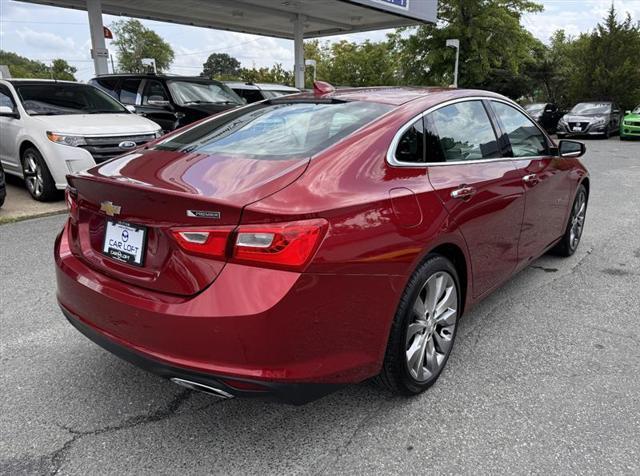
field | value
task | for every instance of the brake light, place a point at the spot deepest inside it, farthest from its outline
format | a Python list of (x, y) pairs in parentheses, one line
[(71, 199), (210, 242), (289, 245)]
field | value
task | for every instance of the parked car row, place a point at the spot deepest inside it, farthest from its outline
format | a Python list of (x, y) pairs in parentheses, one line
[(599, 118), (49, 128)]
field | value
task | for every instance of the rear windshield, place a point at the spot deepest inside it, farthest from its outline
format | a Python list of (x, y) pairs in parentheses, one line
[(57, 99), (277, 131)]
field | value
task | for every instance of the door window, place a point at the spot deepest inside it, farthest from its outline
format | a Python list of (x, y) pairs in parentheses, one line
[(5, 98), (155, 91), (129, 91), (461, 132), (526, 139), (410, 148)]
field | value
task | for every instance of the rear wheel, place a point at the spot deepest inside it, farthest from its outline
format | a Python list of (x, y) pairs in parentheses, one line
[(571, 238), (423, 330), (37, 177)]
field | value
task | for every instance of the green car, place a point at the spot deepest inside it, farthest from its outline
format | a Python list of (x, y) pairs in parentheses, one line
[(630, 125)]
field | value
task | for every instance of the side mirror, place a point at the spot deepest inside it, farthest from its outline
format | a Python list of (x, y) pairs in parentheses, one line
[(571, 149), (6, 111), (157, 101), (130, 108)]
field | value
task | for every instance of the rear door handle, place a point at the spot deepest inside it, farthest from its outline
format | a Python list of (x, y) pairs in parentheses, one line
[(531, 179), (464, 192)]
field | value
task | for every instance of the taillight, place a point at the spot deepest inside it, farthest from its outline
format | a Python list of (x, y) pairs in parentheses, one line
[(71, 198), (211, 242), (289, 245)]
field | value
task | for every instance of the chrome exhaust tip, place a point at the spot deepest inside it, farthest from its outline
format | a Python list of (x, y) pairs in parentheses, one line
[(199, 387)]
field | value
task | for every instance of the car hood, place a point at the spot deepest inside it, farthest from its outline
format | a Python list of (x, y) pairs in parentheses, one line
[(98, 124), (632, 117), (583, 118)]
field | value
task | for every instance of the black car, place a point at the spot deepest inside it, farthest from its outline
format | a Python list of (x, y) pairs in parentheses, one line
[(170, 101), (545, 114), (597, 118), (253, 92), (3, 186)]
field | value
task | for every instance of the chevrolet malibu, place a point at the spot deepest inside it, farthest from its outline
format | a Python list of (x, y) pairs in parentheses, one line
[(302, 243)]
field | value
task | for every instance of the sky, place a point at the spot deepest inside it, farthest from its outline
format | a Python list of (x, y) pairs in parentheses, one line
[(44, 32)]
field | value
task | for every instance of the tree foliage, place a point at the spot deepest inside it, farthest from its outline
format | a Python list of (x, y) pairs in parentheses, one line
[(221, 66), (275, 74), (134, 41), (21, 67)]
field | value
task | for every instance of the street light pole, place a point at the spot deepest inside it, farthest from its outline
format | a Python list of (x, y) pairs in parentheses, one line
[(455, 44)]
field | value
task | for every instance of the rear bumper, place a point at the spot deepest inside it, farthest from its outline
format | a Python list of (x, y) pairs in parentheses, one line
[(276, 328)]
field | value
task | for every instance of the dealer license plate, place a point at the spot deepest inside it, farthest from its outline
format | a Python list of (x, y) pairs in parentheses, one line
[(125, 242)]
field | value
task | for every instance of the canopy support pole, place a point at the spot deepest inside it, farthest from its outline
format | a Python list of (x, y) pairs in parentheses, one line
[(99, 52), (298, 46)]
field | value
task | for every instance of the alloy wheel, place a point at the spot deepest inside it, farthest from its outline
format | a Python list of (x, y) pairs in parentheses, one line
[(577, 220), (33, 174), (430, 333)]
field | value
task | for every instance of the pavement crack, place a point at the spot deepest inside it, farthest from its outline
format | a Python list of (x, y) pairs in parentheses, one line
[(58, 456)]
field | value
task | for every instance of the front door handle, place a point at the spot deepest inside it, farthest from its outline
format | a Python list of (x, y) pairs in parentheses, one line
[(531, 179), (464, 192)]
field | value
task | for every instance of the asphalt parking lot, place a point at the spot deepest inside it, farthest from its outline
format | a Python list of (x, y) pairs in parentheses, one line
[(544, 377)]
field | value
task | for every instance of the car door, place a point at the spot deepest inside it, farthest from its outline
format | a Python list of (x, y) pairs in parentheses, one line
[(481, 190), (544, 176), (130, 92), (9, 128), (156, 104)]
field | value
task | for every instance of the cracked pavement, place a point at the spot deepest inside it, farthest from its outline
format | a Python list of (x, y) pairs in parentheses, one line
[(543, 377)]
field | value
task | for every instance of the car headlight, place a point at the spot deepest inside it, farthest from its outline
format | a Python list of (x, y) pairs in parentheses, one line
[(563, 121), (73, 141), (598, 122)]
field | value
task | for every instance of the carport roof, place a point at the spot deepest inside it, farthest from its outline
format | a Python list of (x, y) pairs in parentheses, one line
[(272, 17)]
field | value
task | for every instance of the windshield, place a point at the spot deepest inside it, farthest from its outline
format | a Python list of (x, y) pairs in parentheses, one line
[(276, 131), (58, 99), (534, 108), (636, 110), (592, 108), (202, 92)]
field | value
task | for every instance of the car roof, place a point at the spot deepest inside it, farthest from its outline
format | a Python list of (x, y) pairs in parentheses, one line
[(398, 95), (261, 86), (41, 81)]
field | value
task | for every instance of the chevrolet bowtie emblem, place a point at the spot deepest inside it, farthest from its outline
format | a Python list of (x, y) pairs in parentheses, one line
[(110, 209)]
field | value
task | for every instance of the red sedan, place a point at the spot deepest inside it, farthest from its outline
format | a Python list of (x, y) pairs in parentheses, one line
[(306, 242)]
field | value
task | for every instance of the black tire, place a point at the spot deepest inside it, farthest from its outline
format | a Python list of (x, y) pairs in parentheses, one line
[(570, 241), (395, 374), (37, 177)]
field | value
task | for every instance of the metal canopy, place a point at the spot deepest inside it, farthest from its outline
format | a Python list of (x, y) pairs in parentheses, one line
[(290, 19)]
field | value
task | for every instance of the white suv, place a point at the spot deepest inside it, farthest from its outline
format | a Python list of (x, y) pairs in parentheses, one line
[(49, 129)]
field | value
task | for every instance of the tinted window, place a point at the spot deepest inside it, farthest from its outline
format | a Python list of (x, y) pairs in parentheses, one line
[(129, 91), (251, 95), (464, 132), (65, 98), (108, 85), (526, 139), (5, 98), (155, 90), (411, 145), (276, 131)]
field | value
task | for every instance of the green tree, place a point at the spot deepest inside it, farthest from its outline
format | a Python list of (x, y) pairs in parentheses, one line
[(134, 41), (221, 66), (21, 67), (495, 48), (60, 69), (275, 74)]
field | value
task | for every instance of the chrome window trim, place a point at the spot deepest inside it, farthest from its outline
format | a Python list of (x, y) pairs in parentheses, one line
[(391, 152)]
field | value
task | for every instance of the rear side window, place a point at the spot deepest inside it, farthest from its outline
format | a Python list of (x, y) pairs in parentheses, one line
[(525, 138), (464, 132), (277, 131), (108, 85), (129, 91), (410, 148)]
